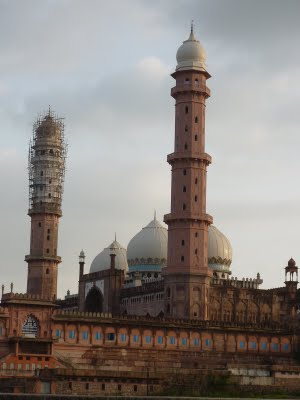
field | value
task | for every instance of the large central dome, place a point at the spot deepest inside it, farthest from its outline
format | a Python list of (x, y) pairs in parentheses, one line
[(148, 249)]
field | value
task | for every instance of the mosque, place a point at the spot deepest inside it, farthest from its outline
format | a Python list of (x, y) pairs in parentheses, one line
[(164, 310)]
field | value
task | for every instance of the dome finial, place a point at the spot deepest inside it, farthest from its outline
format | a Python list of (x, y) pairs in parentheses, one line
[(115, 236), (154, 215), (192, 37)]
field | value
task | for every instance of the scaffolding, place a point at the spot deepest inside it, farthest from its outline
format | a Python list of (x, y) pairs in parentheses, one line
[(46, 164)]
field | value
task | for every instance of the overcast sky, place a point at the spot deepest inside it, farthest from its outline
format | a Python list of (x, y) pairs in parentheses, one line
[(105, 66)]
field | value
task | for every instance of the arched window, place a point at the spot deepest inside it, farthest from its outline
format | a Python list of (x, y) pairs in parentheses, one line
[(184, 172), (183, 206), (186, 128), (196, 181), (182, 242), (47, 271), (30, 327), (185, 146), (196, 138), (186, 109), (196, 198), (184, 189), (196, 120), (182, 258)]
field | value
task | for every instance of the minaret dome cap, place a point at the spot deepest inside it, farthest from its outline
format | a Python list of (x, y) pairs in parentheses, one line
[(191, 54)]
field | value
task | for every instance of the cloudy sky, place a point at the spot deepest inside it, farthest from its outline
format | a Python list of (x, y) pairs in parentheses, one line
[(105, 66)]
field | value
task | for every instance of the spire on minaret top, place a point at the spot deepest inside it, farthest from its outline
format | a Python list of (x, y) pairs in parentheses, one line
[(192, 37)]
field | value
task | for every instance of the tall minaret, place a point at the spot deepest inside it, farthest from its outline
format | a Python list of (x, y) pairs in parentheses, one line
[(187, 275), (47, 153)]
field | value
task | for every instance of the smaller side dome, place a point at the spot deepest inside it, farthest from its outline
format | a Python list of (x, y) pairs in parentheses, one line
[(102, 261), (191, 55), (219, 250)]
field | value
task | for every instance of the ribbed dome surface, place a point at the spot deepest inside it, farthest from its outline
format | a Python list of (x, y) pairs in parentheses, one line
[(149, 246), (219, 248), (102, 260), (191, 55)]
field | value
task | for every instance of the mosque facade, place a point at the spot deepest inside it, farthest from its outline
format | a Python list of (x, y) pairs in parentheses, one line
[(158, 311)]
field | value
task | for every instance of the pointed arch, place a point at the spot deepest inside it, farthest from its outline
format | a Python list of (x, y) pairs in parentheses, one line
[(241, 312), (215, 309), (94, 300)]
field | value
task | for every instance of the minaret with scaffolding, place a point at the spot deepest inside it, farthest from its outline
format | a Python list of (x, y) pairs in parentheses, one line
[(46, 164)]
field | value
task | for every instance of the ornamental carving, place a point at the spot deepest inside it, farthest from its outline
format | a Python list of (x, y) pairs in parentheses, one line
[(147, 261), (219, 260)]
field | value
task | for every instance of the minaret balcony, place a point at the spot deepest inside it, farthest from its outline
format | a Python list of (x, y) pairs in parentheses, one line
[(172, 217), (191, 87), (46, 157), (30, 257), (45, 208), (183, 155)]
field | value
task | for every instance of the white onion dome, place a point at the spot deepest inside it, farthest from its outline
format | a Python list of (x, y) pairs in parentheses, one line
[(191, 55), (219, 250), (102, 261), (148, 249)]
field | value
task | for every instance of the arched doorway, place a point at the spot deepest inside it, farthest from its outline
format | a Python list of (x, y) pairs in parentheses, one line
[(94, 301)]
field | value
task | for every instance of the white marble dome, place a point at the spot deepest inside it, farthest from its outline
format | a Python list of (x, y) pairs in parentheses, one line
[(219, 250), (191, 55), (148, 247), (102, 260)]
